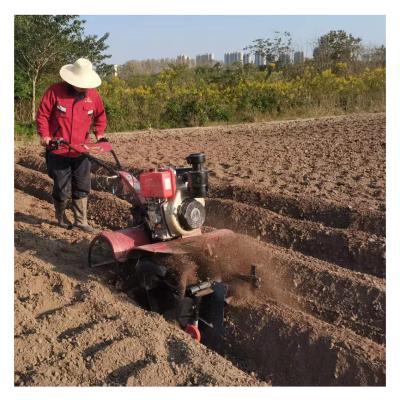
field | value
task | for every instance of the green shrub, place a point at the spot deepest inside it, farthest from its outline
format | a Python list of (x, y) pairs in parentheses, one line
[(180, 97), (24, 129)]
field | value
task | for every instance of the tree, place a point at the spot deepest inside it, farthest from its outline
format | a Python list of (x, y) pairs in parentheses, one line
[(141, 67), (45, 42), (21, 85), (336, 47), (374, 56), (272, 49)]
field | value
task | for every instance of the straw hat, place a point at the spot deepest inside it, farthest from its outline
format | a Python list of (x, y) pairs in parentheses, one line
[(80, 74)]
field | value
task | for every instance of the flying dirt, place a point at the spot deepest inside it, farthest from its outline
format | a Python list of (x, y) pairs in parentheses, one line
[(304, 264)]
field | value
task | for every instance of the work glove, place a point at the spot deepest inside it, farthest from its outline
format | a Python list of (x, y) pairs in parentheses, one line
[(44, 141), (103, 139), (54, 144)]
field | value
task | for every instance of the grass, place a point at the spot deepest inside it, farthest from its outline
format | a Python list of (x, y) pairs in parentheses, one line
[(24, 131)]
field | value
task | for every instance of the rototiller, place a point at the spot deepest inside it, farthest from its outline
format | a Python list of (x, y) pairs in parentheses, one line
[(168, 205)]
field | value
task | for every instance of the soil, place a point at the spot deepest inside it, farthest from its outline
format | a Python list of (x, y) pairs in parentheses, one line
[(74, 328), (306, 200)]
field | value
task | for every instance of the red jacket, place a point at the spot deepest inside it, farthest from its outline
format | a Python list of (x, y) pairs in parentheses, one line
[(66, 114)]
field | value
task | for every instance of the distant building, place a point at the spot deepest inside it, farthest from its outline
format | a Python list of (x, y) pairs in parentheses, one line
[(284, 59), (205, 59), (230, 58), (166, 60), (248, 59), (115, 69), (260, 60), (298, 57), (182, 59)]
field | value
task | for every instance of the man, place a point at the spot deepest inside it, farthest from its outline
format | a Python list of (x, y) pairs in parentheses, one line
[(68, 110)]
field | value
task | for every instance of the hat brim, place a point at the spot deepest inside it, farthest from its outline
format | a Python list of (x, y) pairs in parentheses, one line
[(88, 80)]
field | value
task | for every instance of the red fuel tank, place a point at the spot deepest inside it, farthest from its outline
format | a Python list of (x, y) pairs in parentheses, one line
[(158, 184)]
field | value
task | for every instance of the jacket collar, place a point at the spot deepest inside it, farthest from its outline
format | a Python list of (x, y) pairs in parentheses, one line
[(73, 93)]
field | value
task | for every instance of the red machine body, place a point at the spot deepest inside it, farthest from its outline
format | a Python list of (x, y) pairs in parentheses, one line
[(126, 242), (159, 184)]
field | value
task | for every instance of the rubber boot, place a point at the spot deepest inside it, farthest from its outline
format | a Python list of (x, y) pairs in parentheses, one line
[(62, 219), (79, 207)]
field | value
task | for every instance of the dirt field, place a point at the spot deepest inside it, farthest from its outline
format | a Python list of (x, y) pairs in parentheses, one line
[(307, 201)]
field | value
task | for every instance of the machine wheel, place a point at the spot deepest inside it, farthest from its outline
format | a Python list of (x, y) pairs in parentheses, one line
[(193, 331)]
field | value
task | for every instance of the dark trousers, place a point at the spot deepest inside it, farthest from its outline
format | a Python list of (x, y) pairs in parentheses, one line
[(71, 176)]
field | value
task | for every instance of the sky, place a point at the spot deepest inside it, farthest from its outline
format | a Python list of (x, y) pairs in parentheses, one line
[(159, 36)]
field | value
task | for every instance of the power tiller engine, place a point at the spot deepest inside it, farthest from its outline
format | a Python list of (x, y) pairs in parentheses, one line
[(174, 199)]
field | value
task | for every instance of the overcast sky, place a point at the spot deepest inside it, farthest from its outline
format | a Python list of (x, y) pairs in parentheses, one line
[(140, 37)]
